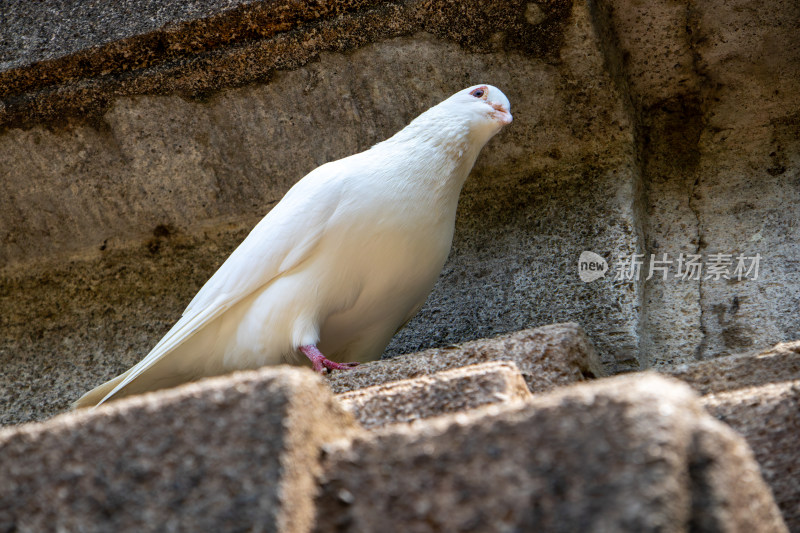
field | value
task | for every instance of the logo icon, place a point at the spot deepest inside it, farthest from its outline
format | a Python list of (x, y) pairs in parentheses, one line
[(591, 266)]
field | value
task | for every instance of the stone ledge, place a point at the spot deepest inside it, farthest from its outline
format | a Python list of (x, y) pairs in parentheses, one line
[(214, 47), (547, 357), (92, 40), (441, 393)]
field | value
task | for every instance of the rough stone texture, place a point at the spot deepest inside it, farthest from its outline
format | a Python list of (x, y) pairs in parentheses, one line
[(778, 364), (622, 454), (450, 391), (547, 357), (226, 454), (768, 417), (70, 39), (137, 150)]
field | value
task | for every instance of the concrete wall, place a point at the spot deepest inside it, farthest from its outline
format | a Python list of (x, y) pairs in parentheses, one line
[(139, 144)]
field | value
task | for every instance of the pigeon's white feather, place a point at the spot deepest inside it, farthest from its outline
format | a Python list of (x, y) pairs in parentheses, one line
[(279, 241), (342, 261)]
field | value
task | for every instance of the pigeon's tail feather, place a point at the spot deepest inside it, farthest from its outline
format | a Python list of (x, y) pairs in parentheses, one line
[(164, 366), (160, 376), (173, 361), (94, 396)]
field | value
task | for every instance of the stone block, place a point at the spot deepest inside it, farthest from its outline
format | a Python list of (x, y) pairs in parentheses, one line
[(780, 363), (547, 357), (768, 417), (225, 454), (449, 391)]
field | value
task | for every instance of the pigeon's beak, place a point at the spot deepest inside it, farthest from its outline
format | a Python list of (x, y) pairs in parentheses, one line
[(501, 114)]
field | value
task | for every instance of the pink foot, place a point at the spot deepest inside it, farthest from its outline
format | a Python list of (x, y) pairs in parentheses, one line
[(322, 363)]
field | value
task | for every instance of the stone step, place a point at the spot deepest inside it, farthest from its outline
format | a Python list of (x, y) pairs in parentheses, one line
[(449, 391), (779, 363), (225, 454), (768, 417), (758, 395), (632, 453), (274, 450), (548, 357)]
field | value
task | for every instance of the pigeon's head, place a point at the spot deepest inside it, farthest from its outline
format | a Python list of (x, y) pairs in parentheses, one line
[(472, 116), (484, 104)]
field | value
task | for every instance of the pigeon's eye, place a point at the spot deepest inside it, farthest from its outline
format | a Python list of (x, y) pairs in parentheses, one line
[(479, 92)]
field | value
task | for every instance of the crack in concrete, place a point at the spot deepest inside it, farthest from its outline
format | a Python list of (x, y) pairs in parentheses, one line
[(692, 30)]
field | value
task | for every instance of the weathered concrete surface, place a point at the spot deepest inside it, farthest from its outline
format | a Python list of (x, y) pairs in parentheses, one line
[(226, 454), (713, 86), (449, 391), (768, 417), (622, 454), (547, 357)]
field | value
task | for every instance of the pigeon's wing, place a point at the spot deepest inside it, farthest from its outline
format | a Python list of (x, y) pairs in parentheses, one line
[(280, 241)]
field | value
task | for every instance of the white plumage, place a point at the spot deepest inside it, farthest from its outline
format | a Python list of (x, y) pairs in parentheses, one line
[(345, 259)]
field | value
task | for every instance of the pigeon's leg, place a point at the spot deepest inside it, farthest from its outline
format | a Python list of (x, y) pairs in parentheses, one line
[(320, 362)]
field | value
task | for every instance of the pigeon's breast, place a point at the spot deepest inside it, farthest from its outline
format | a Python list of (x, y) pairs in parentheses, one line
[(385, 271)]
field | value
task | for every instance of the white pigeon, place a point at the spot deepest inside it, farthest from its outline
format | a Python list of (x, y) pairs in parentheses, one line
[(343, 262)]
